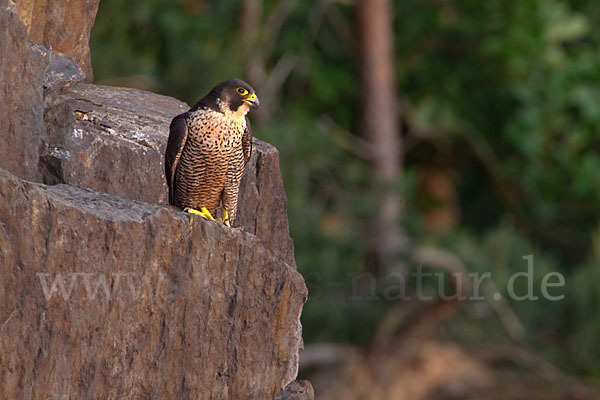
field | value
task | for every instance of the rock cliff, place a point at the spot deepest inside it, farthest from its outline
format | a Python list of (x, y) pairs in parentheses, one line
[(21, 96), (105, 297), (113, 140), (108, 293), (63, 25)]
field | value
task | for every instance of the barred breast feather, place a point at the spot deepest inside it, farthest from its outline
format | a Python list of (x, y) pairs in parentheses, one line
[(208, 164)]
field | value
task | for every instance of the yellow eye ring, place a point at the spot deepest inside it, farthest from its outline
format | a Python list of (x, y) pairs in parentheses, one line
[(242, 91)]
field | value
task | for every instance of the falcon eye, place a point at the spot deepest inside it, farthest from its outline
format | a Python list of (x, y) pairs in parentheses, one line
[(242, 91)]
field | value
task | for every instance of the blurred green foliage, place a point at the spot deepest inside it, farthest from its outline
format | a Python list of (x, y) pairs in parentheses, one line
[(504, 95)]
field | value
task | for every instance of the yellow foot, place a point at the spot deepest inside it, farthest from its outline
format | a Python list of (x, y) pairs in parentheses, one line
[(204, 213), (227, 221)]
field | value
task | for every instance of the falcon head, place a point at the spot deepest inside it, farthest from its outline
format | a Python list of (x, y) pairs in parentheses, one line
[(234, 96)]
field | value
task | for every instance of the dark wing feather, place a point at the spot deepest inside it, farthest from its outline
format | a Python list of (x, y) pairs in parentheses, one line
[(178, 133), (247, 142)]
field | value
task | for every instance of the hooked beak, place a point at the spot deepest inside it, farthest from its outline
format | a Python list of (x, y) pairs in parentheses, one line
[(252, 100)]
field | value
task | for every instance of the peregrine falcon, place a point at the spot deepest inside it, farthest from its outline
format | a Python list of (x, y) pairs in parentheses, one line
[(207, 151)]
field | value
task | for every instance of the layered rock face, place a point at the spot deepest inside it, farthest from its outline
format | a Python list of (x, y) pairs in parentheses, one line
[(63, 25), (21, 96), (108, 293), (105, 297), (113, 140)]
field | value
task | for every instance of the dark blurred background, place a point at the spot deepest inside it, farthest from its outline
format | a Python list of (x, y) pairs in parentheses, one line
[(456, 135)]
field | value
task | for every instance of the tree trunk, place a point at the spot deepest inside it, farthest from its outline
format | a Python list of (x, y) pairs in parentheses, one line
[(381, 127)]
